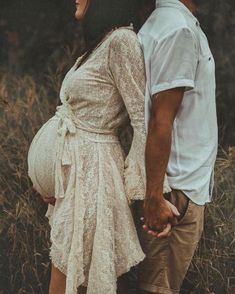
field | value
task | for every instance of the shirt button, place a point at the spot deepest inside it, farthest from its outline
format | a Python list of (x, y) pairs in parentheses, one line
[(197, 24)]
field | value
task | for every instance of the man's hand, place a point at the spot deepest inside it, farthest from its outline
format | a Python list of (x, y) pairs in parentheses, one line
[(159, 216)]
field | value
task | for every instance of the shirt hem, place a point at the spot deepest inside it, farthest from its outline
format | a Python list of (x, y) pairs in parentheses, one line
[(189, 84), (198, 202)]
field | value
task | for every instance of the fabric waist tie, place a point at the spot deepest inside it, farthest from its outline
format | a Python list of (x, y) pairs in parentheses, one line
[(67, 126)]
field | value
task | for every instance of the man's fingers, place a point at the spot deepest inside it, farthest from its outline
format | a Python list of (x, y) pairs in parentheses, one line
[(165, 232), (174, 210), (153, 228), (154, 234), (145, 227), (149, 231)]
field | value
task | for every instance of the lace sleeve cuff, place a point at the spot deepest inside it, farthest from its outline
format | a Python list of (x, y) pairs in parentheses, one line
[(135, 175)]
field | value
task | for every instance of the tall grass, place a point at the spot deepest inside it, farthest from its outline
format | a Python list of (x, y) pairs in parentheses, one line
[(24, 263), (213, 267), (25, 104)]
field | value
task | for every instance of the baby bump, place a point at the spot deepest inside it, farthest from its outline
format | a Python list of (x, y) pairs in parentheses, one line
[(41, 158)]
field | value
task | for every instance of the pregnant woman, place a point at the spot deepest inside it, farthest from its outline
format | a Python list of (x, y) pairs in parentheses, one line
[(76, 161)]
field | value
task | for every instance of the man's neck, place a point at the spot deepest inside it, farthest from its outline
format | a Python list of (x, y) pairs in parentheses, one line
[(190, 5)]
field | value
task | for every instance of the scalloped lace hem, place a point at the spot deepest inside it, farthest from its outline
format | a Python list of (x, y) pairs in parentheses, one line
[(130, 265), (55, 258)]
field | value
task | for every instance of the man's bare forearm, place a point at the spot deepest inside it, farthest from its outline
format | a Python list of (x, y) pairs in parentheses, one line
[(165, 106), (158, 213), (157, 154)]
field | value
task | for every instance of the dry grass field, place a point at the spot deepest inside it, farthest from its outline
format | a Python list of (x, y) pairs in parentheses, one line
[(24, 231)]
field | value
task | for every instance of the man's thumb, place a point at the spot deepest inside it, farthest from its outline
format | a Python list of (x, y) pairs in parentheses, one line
[(173, 209)]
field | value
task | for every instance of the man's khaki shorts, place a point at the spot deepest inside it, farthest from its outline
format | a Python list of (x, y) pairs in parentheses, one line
[(167, 260)]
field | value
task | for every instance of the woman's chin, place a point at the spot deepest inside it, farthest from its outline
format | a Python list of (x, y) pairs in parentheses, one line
[(78, 15)]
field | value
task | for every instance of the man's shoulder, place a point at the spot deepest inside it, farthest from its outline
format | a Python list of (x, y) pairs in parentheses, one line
[(164, 22)]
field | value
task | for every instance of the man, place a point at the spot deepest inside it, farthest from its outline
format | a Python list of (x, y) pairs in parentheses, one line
[(181, 142)]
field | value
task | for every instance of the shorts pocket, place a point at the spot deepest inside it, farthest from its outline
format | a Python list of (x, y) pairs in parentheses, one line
[(181, 202), (186, 212)]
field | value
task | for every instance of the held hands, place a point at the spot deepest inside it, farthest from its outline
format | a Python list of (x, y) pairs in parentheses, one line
[(159, 216)]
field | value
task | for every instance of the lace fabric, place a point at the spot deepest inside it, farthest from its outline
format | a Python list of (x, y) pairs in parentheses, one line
[(76, 156)]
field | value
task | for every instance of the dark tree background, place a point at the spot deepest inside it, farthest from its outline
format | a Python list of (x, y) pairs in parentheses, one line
[(34, 34)]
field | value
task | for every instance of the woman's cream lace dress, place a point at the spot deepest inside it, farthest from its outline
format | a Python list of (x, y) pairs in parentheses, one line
[(76, 157)]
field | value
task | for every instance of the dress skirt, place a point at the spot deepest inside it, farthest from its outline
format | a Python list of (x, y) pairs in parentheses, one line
[(93, 236)]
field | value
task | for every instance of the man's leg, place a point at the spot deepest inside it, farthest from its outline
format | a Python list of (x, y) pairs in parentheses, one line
[(167, 260)]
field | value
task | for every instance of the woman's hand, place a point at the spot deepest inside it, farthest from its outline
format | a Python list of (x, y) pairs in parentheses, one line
[(49, 200), (46, 199)]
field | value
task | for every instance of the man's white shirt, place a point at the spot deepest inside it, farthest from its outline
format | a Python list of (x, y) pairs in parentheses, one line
[(177, 54)]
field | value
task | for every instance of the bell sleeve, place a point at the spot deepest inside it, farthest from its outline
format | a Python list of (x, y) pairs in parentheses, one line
[(128, 72)]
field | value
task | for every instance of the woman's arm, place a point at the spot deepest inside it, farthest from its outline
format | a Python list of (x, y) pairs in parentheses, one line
[(127, 70)]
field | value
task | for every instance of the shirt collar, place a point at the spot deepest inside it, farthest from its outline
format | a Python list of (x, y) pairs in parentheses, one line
[(176, 4)]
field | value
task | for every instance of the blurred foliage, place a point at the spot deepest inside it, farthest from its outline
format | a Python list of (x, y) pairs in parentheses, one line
[(34, 36)]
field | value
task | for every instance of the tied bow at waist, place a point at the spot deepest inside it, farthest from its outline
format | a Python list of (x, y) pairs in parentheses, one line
[(65, 153)]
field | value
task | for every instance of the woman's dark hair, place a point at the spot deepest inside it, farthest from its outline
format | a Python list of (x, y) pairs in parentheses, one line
[(104, 15)]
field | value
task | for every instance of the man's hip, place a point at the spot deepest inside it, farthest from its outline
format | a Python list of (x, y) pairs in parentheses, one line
[(167, 260)]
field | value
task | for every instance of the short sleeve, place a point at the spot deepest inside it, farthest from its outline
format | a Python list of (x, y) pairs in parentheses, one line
[(174, 62)]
